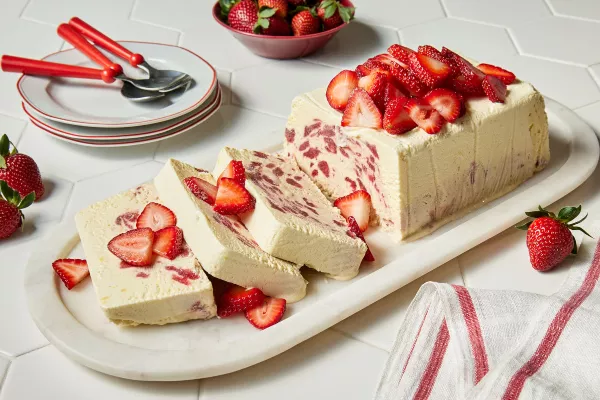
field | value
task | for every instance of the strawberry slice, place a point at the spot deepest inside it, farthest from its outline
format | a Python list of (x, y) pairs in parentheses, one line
[(71, 271), (432, 52), (400, 53), (409, 81), (168, 242), (463, 67), (396, 120), (375, 85), (156, 216), (446, 102), (340, 88), (468, 87), (355, 229), (237, 299), (361, 111), (505, 76), (358, 205), (233, 198), (424, 115), (203, 190), (234, 170), (361, 71), (266, 314), (377, 66), (429, 70), (134, 247), (393, 92), (389, 60), (494, 89)]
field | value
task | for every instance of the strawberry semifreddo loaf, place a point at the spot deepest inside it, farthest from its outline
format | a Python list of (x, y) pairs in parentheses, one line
[(424, 153), (157, 289), (222, 243), (292, 219)]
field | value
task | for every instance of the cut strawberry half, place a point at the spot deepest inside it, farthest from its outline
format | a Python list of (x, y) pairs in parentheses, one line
[(400, 53), (463, 67), (429, 70), (424, 115), (446, 102), (71, 271), (505, 76), (266, 314), (362, 70), (134, 247), (377, 66), (202, 189), (375, 85), (494, 89), (233, 198), (409, 81), (355, 229), (393, 92), (361, 111), (234, 170), (389, 60), (156, 217), (432, 52), (396, 120), (168, 242), (358, 205), (340, 88), (237, 299), (468, 87)]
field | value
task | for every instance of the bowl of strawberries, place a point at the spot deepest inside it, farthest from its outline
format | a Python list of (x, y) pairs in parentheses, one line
[(283, 29)]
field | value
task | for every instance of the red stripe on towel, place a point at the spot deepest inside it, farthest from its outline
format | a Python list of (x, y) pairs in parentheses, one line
[(434, 363)]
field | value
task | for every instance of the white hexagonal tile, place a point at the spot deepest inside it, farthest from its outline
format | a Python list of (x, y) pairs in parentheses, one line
[(398, 13), (230, 126), (4, 363), (556, 38), (354, 44), (497, 12), (460, 36), (52, 206), (327, 366), (12, 127), (73, 162), (587, 9), (12, 9), (224, 79), (270, 88), (378, 324), (591, 115), (57, 377)]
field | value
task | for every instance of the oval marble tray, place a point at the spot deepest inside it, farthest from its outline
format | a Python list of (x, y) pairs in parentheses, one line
[(73, 322)]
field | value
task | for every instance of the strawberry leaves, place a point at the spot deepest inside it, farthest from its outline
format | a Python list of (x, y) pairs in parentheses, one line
[(5, 151), (331, 6), (263, 18)]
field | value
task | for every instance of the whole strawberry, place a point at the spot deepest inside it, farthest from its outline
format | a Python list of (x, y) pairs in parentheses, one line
[(305, 23), (549, 237), (296, 3), (277, 27), (19, 170), (280, 6), (334, 14), (11, 204), (243, 16)]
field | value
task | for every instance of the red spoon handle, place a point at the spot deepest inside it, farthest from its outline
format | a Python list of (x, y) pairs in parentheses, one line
[(67, 32), (28, 66), (105, 42)]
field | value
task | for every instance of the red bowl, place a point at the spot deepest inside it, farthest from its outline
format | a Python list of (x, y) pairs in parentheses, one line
[(279, 47)]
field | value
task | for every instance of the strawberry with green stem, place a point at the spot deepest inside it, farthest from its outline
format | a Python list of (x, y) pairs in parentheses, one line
[(549, 237), (11, 204), (19, 171), (334, 14)]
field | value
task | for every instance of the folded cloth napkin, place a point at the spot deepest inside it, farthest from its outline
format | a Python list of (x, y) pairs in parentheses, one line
[(462, 343)]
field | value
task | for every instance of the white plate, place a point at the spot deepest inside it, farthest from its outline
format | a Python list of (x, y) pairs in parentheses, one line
[(145, 139), (94, 103), (87, 133), (73, 322)]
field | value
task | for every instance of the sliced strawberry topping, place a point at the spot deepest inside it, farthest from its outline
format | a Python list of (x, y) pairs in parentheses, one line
[(156, 216), (340, 88), (134, 247), (362, 70), (361, 111), (464, 67), (266, 314), (377, 66), (389, 60), (432, 52), (358, 205), (168, 242), (233, 198), (505, 76), (203, 190), (375, 85), (424, 115), (396, 120), (393, 92), (429, 70), (234, 170), (71, 271), (354, 228), (237, 299), (494, 89), (409, 81), (468, 87), (400, 53), (446, 102)]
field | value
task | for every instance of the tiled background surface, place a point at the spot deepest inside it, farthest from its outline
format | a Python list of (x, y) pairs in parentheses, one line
[(553, 43)]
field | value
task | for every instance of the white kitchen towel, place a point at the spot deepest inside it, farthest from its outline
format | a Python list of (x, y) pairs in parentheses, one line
[(462, 343)]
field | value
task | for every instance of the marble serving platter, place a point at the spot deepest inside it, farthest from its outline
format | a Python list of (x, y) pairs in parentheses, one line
[(73, 322)]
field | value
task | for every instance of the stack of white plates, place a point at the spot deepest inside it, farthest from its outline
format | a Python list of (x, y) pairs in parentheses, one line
[(93, 113)]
